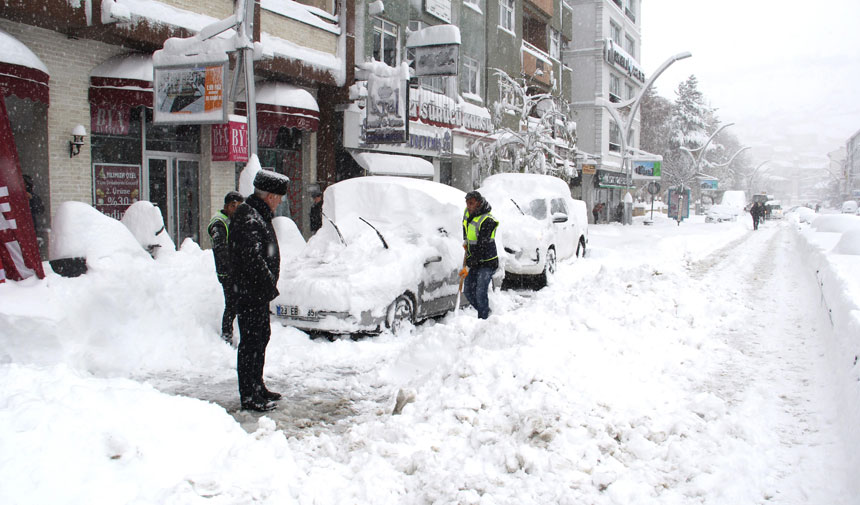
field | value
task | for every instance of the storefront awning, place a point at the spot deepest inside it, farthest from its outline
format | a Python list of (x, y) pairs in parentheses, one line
[(124, 80), (283, 105), (394, 164), (22, 73)]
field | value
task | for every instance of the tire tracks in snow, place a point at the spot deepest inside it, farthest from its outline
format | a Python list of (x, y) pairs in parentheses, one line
[(772, 365)]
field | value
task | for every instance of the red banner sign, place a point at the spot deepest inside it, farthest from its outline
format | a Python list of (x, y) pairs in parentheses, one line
[(116, 187), (230, 141), (19, 251), (110, 119)]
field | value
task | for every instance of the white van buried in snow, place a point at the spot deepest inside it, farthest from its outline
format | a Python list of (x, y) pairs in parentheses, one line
[(539, 222), (388, 253)]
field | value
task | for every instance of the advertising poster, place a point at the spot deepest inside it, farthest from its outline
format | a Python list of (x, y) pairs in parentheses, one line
[(709, 184), (679, 201), (647, 169), (230, 140), (116, 187), (190, 95)]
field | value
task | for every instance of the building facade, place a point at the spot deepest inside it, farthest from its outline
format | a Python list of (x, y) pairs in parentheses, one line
[(604, 56), (89, 64)]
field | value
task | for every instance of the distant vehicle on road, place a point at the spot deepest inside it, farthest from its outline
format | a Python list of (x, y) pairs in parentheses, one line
[(849, 207)]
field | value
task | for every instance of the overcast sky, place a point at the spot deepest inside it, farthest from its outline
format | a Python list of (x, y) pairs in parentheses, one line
[(786, 72)]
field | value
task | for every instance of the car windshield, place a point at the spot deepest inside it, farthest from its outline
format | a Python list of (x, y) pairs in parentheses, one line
[(537, 208)]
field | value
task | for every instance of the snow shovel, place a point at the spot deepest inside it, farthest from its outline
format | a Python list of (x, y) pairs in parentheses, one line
[(459, 289)]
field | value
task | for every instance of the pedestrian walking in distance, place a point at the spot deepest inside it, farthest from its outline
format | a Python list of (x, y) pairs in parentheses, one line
[(482, 259), (219, 232), (757, 213), (316, 210), (256, 266)]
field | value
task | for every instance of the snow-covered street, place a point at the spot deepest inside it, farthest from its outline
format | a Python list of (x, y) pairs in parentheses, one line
[(674, 364)]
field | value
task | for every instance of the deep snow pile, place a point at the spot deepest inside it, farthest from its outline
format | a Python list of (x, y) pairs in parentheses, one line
[(589, 391)]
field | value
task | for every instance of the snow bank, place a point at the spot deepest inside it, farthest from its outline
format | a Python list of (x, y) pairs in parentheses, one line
[(80, 231)]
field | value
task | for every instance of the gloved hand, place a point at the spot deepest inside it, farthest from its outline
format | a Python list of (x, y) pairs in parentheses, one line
[(464, 272)]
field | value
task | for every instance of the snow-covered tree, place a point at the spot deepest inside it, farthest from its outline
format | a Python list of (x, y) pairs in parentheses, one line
[(544, 140)]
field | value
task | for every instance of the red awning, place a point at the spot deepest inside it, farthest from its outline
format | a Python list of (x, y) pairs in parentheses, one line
[(282, 105), (22, 73), (124, 80)]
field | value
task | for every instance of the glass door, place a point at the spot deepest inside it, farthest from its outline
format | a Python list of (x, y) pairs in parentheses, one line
[(174, 188)]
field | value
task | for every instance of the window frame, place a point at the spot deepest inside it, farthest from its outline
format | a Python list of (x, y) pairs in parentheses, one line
[(382, 32), (507, 12), (615, 32), (472, 71)]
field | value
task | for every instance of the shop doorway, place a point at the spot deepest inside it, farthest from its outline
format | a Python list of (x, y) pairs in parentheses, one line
[(173, 186)]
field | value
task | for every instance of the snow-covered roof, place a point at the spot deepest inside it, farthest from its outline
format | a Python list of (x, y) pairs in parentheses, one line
[(434, 36), (303, 13), (136, 66), (286, 95), (14, 52), (394, 164)]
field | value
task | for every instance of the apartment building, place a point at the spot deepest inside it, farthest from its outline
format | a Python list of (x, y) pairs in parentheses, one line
[(523, 38), (604, 55), (86, 67)]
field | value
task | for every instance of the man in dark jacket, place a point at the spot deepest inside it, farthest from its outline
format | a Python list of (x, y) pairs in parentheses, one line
[(219, 232), (256, 266), (482, 259), (316, 211)]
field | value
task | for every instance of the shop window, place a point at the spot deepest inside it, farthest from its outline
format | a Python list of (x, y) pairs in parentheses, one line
[(285, 157), (171, 138), (122, 145)]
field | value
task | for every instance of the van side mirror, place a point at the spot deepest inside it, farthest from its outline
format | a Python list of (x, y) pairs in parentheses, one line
[(432, 259), (559, 217)]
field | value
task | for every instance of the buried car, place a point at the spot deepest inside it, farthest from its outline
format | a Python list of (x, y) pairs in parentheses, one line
[(388, 253), (720, 212), (540, 223)]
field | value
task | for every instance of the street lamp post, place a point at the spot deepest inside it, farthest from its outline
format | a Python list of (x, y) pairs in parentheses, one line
[(700, 155), (753, 174), (626, 123)]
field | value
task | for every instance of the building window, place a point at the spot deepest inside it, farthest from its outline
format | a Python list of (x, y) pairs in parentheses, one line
[(475, 4), (385, 42), (506, 15), (628, 91), (615, 33), (471, 76), (614, 137), (614, 88), (630, 46), (555, 44), (506, 95)]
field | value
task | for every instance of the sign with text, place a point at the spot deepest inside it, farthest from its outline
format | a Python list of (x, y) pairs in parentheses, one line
[(439, 8), (607, 179), (230, 141), (190, 95), (110, 119), (387, 110), (437, 60), (115, 187)]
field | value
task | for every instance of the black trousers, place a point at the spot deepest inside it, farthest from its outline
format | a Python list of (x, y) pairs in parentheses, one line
[(254, 333), (229, 309)]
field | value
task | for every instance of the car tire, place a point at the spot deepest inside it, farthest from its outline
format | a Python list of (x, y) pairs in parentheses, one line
[(400, 312), (549, 268), (580, 248)]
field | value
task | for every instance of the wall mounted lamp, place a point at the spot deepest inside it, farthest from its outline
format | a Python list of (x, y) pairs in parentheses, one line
[(78, 135)]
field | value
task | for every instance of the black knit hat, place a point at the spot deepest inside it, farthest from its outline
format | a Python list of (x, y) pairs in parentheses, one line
[(474, 195), (271, 182), (233, 196)]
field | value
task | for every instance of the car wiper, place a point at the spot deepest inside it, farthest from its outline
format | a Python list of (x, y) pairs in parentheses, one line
[(335, 228), (518, 207), (384, 244)]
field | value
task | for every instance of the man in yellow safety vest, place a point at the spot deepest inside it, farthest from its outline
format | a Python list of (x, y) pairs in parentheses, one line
[(482, 259)]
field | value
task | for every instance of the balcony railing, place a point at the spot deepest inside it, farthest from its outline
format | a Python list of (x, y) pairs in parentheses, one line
[(536, 63)]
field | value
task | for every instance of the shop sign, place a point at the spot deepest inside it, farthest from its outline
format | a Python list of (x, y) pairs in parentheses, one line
[(230, 141), (431, 144), (441, 114), (616, 56), (439, 8), (437, 60), (589, 169), (608, 179), (110, 119), (647, 169), (116, 186), (386, 120), (190, 95)]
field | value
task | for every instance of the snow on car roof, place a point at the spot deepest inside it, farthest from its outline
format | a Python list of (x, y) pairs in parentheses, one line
[(390, 198)]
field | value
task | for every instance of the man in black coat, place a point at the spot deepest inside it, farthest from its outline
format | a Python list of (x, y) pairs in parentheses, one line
[(316, 211), (256, 266), (219, 232)]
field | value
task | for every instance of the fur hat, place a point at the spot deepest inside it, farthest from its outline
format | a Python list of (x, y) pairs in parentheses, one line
[(271, 182), (233, 196)]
